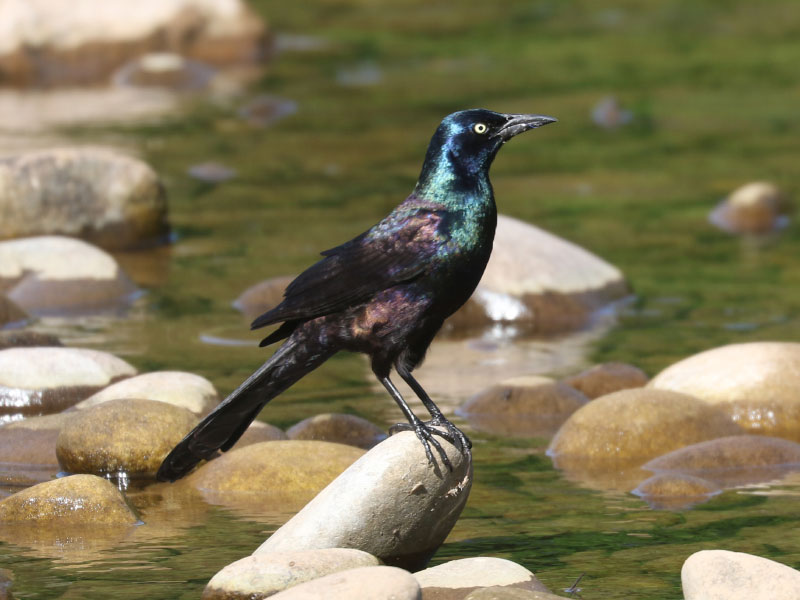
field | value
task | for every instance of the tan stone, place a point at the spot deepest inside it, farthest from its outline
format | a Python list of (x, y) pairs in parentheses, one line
[(675, 490), (10, 313), (754, 208), (339, 428), (15, 338), (607, 378), (263, 296), (364, 583), (458, 578), (507, 593), (258, 432)]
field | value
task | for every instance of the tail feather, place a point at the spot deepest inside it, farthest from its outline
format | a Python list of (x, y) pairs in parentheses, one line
[(223, 426)]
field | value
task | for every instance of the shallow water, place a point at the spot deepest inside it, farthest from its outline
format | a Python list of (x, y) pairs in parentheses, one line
[(714, 91)]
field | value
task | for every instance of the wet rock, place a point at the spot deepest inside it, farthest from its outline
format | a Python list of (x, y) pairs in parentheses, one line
[(524, 406), (97, 194), (755, 208), (27, 457), (10, 313), (44, 380), (53, 275), (129, 437), (186, 390), (507, 593), (338, 428), (261, 432), (265, 110), (211, 172), (220, 32), (608, 113), (364, 583), (458, 578), (364, 74), (675, 490), (75, 500), (557, 287), (607, 378), (262, 297), (16, 338), (629, 427), (755, 383), (164, 70), (400, 508), (266, 574), (724, 575), (273, 476)]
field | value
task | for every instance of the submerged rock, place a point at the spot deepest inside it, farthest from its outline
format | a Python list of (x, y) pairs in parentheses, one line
[(265, 574), (675, 491), (607, 378), (725, 575), (97, 194), (524, 406), (364, 583), (458, 578), (755, 383), (755, 208), (400, 507), (338, 428), (263, 296), (122, 437), (54, 275)]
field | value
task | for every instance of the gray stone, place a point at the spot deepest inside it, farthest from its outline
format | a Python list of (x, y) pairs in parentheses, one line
[(339, 428), (364, 583), (459, 578), (400, 507)]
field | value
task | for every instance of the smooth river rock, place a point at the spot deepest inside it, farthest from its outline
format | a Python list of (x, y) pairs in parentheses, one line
[(55, 275), (263, 296), (117, 437), (506, 593), (265, 574), (522, 406), (755, 383), (42, 380), (675, 491), (725, 575), (339, 428), (607, 378), (98, 194), (27, 456), (364, 583), (400, 507), (758, 207), (541, 281), (186, 390), (458, 578), (16, 338)]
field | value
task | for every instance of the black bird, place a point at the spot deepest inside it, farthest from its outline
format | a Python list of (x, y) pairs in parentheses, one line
[(384, 293)]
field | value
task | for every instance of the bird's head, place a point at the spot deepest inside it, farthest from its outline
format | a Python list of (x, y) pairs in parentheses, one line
[(466, 142)]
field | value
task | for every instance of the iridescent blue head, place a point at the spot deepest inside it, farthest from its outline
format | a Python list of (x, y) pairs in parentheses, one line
[(465, 144)]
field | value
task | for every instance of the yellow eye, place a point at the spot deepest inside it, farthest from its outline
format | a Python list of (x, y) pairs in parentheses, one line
[(480, 128)]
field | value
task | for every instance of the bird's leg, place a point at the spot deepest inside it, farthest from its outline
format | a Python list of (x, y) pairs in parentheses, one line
[(437, 418), (424, 434)]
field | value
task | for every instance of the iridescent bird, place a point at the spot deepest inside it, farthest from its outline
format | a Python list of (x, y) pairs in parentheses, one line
[(384, 293)]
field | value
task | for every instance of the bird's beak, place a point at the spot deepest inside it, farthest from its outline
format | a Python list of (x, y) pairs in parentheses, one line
[(516, 124)]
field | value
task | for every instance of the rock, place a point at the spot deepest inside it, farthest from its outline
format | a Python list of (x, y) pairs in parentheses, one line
[(400, 508), (53, 275), (459, 578), (186, 390), (261, 432), (524, 406), (43, 380), (44, 45), (556, 288), (266, 574), (755, 208), (338, 428), (122, 437), (507, 593), (164, 70), (76, 500), (364, 583), (211, 172), (10, 313), (607, 378), (52, 422), (261, 297), (15, 338), (755, 383), (97, 194), (27, 456), (629, 427), (675, 491), (608, 113), (265, 110), (272, 476), (725, 575)]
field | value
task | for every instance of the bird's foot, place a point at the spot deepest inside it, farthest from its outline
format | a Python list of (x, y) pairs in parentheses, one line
[(425, 435), (454, 433)]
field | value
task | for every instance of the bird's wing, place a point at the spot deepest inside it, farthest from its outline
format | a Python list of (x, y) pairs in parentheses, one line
[(396, 250)]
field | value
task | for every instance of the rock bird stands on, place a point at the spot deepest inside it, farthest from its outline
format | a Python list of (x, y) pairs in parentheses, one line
[(384, 293)]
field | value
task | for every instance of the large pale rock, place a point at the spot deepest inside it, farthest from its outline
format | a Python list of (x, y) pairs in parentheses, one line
[(98, 194), (41, 380), (758, 207), (725, 575), (118, 437), (400, 507), (629, 427), (339, 428), (265, 574), (755, 383), (186, 390), (75, 500), (458, 578), (364, 583), (607, 378), (58, 275), (539, 280), (524, 406), (41, 43)]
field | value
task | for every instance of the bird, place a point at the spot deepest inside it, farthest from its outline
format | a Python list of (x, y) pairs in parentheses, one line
[(385, 293)]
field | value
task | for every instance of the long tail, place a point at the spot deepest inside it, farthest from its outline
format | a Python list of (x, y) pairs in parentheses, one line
[(228, 421)]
